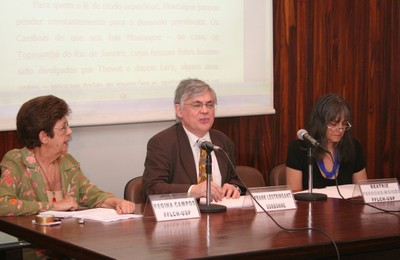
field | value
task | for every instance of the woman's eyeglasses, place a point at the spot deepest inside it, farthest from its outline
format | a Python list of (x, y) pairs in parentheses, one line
[(336, 127), (63, 129)]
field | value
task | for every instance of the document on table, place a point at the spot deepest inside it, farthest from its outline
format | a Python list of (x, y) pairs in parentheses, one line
[(331, 191), (241, 202), (99, 214)]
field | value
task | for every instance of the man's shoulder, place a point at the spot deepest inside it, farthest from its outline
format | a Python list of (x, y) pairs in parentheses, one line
[(218, 134), (221, 139), (172, 130), (167, 136)]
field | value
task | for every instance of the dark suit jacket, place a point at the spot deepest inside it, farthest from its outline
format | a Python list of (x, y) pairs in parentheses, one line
[(170, 166)]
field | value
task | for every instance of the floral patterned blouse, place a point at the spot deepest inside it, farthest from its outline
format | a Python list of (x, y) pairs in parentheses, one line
[(23, 189)]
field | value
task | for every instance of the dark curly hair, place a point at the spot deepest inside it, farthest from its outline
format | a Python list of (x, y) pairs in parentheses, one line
[(39, 114)]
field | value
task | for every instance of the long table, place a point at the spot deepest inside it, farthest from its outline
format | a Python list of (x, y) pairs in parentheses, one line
[(358, 231)]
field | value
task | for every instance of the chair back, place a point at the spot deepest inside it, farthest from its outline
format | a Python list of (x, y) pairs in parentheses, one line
[(277, 176), (250, 176), (133, 190)]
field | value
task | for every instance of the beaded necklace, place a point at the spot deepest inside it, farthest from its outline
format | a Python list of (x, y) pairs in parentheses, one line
[(335, 169)]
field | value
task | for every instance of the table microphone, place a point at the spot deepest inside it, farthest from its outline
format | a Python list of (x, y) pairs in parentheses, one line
[(302, 134), (208, 146), (310, 196), (208, 207)]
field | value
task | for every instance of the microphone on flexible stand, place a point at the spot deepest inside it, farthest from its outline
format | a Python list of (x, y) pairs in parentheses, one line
[(310, 196), (208, 207)]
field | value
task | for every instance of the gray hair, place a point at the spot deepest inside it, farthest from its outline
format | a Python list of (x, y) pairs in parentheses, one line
[(189, 88)]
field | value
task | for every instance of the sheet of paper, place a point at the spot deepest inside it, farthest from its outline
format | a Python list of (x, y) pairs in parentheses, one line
[(99, 214), (240, 202), (331, 191)]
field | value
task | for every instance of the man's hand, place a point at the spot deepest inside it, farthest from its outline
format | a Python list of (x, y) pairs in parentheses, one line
[(230, 191), (200, 190)]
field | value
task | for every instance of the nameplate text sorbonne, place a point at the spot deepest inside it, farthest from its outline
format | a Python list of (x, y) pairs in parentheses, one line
[(174, 206), (273, 199), (380, 190)]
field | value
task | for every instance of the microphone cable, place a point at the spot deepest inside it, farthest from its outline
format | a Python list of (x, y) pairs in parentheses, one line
[(273, 219)]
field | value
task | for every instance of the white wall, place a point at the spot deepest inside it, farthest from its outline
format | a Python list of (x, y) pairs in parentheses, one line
[(111, 155)]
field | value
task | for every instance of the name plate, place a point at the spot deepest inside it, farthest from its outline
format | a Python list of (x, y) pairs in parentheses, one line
[(273, 198), (174, 206), (380, 190)]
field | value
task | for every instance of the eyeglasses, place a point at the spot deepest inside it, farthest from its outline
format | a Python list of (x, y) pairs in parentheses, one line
[(63, 129), (337, 127), (198, 105)]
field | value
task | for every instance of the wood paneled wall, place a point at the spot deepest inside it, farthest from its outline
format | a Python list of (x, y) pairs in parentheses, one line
[(350, 47)]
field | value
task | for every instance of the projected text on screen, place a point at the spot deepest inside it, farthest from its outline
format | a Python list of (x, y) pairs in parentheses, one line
[(120, 61)]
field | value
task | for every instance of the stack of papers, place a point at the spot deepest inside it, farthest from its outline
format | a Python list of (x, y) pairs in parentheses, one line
[(99, 214)]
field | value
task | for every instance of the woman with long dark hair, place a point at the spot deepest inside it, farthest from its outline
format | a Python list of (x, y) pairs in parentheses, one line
[(329, 124)]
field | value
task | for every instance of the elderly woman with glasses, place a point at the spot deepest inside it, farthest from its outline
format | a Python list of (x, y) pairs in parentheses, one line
[(43, 175), (329, 123)]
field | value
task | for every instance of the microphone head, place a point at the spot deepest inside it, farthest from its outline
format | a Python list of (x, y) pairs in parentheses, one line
[(200, 143), (206, 145), (301, 133)]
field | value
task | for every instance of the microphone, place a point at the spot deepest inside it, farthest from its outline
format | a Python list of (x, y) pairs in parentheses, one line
[(208, 146), (302, 134)]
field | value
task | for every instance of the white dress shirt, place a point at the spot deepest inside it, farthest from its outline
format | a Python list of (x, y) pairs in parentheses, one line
[(216, 174)]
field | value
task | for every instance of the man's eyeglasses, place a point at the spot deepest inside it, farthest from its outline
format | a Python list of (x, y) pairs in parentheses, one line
[(198, 105), (63, 129), (337, 127)]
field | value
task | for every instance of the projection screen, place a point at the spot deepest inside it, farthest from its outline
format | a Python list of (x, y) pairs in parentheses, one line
[(118, 62)]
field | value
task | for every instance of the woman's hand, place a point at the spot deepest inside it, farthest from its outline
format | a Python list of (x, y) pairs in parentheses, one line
[(66, 203), (120, 205)]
